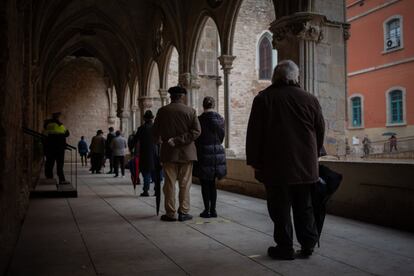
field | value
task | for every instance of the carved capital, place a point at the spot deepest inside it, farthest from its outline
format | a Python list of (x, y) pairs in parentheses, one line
[(185, 80), (296, 27), (226, 62), (163, 93), (134, 108), (145, 102), (111, 119), (195, 82)]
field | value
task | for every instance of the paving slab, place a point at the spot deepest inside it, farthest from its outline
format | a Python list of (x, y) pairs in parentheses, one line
[(109, 230)]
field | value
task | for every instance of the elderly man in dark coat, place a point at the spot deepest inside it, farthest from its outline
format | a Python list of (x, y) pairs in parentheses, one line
[(144, 143), (284, 136), (176, 126)]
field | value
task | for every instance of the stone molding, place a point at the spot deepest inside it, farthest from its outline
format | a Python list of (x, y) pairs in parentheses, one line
[(297, 27), (163, 92)]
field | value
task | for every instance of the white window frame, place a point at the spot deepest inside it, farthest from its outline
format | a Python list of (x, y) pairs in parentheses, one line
[(388, 106), (350, 113), (259, 39), (385, 28)]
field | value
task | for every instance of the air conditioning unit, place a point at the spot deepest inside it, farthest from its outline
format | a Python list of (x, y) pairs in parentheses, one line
[(392, 42)]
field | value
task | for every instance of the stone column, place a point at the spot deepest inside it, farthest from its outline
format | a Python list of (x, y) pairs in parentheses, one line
[(125, 122), (184, 80), (226, 62), (164, 96), (134, 109), (317, 45), (295, 37), (195, 86), (145, 103)]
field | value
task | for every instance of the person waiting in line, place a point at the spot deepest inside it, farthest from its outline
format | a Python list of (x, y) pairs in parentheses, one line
[(118, 146), (211, 156), (131, 144), (177, 126), (55, 146), (284, 136), (147, 151), (108, 150), (97, 149), (393, 143), (83, 151)]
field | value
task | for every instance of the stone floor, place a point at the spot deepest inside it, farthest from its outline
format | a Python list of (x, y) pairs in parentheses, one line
[(108, 230)]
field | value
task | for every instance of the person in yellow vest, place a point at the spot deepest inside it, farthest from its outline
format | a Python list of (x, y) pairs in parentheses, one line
[(54, 146)]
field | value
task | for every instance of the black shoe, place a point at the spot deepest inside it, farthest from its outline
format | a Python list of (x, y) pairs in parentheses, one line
[(205, 214), (144, 194), (116, 175), (213, 213), (109, 172), (304, 253), (167, 218), (184, 217), (278, 253)]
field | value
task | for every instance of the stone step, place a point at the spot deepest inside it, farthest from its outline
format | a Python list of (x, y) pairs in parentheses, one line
[(49, 188)]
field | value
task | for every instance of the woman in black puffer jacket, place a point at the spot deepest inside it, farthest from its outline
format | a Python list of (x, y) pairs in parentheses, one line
[(211, 156)]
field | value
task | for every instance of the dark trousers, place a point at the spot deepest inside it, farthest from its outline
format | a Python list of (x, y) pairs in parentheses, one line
[(84, 159), (96, 162), (209, 193), (280, 198), (119, 161), (51, 158), (111, 162)]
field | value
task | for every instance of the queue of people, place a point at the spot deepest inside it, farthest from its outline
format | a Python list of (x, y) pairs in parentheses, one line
[(284, 138)]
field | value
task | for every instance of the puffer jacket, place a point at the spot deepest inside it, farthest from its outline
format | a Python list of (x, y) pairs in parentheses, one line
[(211, 156)]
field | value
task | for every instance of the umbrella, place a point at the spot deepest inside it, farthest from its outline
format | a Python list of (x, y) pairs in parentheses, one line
[(389, 134), (133, 165), (328, 183), (157, 178)]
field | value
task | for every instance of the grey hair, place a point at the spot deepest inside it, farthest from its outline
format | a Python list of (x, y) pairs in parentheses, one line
[(286, 71)]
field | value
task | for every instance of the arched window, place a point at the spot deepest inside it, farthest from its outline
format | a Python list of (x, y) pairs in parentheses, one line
[(393, 33), (356, 112), (396, 106), (265, 58)]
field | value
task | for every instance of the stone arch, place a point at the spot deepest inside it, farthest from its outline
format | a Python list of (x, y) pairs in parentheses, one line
[(172, 67), (205, 65), (80, 91)]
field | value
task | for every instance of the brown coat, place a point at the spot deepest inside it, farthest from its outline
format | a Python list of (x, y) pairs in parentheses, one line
[(180, 122), (285, 134)]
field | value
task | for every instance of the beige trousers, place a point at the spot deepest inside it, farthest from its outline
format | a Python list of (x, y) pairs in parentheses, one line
[(183, 173)]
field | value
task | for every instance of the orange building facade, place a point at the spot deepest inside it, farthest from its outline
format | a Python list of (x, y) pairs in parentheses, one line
[(380, 69)]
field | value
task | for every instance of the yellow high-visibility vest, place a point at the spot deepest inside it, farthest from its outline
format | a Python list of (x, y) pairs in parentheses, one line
[(54, 128)]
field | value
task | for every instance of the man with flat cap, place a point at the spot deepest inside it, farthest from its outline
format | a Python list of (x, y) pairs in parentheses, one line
[(55, 146), (144, 143), (176, 126)]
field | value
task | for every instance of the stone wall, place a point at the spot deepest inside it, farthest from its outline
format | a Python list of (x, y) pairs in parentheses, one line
[(376, 192), (253, 20), (79, 92), (15, 161)]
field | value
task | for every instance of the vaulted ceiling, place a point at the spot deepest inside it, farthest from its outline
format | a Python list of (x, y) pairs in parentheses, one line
[(122, 34)]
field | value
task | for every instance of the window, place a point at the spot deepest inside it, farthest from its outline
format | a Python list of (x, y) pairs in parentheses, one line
[(396, 107), (356, 112), (393, 33), (265, 58)]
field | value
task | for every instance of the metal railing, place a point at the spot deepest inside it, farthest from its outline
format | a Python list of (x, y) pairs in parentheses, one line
[(70, 148)]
